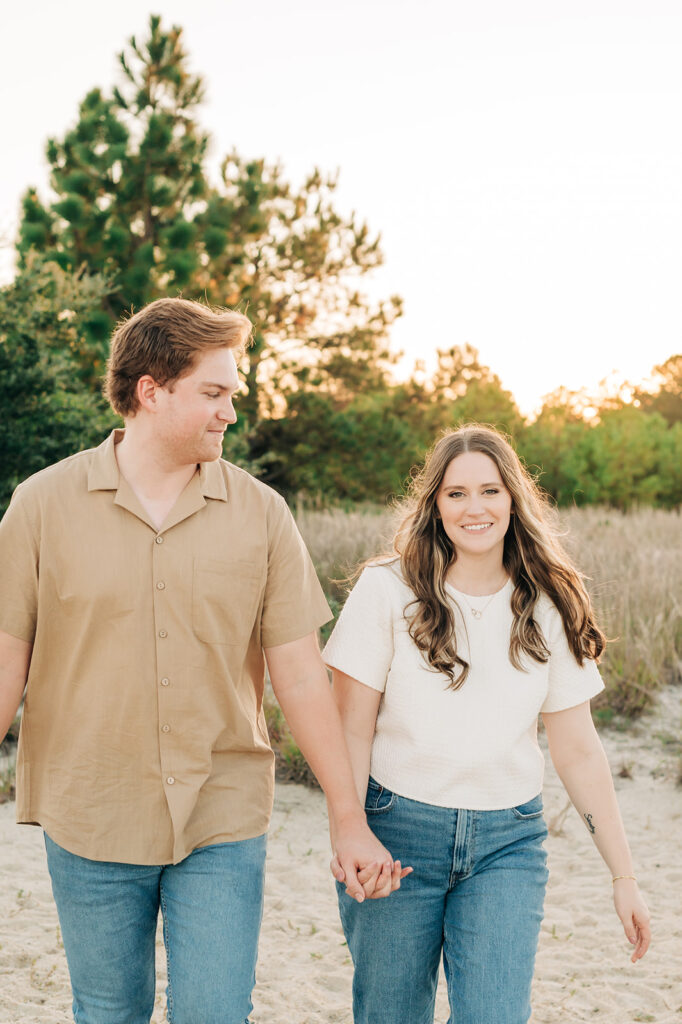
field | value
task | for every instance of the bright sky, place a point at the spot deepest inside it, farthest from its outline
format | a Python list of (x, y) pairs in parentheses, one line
[(522, 161)]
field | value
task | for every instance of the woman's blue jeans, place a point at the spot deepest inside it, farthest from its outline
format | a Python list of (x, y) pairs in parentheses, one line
[(212, 905), (476, 896)]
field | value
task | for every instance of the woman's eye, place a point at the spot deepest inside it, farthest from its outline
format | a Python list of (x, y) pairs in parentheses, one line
[(210, 395), (492, 490)]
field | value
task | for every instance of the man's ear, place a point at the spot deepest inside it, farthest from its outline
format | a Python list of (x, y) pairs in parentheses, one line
[(146, 390)]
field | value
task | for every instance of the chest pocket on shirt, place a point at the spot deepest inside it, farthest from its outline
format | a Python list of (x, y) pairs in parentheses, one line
[(225, 598)]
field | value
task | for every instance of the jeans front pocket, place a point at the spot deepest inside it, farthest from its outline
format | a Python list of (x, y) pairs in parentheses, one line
[(378, 799), (529, 810)]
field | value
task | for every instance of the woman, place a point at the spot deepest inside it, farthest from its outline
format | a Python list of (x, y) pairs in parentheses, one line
[(442, 658)]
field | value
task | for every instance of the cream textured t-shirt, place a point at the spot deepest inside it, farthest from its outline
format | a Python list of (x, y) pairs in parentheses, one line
[(475, 747)]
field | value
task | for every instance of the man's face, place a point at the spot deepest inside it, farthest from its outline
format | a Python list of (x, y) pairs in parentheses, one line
[(193, 416)]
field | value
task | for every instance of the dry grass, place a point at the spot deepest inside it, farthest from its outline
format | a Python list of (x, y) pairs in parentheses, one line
[(634, 562), (339, 541)]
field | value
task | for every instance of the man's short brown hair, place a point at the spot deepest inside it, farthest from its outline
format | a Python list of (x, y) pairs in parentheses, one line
[(164, 340)]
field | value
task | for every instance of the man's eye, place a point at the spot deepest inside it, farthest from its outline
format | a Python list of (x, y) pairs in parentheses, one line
[(210, 394)]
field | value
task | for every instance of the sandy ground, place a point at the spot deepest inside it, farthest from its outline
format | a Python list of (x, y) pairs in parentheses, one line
[(304, 975)]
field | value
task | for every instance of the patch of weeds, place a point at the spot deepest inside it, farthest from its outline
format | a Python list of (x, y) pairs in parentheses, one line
[(631, 687), (670, 742), (603, 715), (8, 790)]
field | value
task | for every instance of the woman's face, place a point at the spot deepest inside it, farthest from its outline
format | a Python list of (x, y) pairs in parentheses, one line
[(474, 505)]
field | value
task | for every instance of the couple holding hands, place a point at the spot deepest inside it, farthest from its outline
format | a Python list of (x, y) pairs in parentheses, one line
[(147, 584)]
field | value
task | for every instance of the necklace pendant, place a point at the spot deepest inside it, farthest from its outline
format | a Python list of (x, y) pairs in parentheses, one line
[(476, 612)]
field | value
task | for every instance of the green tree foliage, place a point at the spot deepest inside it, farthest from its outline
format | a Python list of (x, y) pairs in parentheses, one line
[(667, 400), (132, 200), (135, 215), (47, 411), (464, 389), (625, 457), (361, 452), (362, 447)]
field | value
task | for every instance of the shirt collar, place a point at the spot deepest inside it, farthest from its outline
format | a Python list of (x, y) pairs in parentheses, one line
[(104, 474), (212, 480)]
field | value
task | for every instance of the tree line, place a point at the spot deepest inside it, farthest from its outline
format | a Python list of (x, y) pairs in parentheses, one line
[(134, 215)]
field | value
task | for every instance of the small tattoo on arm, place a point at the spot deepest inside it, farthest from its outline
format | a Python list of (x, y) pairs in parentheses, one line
[(588, 819)]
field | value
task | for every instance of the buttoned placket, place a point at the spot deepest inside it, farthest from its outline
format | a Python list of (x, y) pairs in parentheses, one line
[(163, 666)]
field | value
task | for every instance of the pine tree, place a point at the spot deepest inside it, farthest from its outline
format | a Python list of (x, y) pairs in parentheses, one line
[(133, 200)]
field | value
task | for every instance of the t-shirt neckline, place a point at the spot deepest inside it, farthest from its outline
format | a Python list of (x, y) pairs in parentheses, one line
[(478, 597)]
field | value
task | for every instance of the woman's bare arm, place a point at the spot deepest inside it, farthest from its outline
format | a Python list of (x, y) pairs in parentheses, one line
[(581, 764)]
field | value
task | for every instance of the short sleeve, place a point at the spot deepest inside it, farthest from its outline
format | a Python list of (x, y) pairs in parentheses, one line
[(294, 603), (19, 547), (361, 644), (570, 684)]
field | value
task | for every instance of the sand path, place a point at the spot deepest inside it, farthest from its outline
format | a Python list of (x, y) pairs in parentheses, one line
[(304, 976)]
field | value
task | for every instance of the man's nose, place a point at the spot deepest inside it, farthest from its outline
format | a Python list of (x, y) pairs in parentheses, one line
[(227, 413)]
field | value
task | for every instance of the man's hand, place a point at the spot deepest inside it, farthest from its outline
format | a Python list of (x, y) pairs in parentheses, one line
[(364, 864)]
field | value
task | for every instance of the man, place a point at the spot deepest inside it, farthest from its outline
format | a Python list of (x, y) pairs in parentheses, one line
[(143, 584)]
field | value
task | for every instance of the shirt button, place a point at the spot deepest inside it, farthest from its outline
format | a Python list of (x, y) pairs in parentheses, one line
[(160, 585), (165, 728), (159, 540), (170, 780), (165, 682), (162, 633)]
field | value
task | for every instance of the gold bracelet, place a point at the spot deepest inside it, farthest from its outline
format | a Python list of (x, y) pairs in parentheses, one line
[(617, 877)]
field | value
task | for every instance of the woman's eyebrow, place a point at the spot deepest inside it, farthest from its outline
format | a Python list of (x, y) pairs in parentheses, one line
[(461, 487)]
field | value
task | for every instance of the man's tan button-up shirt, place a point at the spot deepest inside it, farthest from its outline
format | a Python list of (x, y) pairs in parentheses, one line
[(143, 735)]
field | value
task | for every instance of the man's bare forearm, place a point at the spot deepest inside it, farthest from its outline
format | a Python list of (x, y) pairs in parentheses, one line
[(15, 657), (313, 718)]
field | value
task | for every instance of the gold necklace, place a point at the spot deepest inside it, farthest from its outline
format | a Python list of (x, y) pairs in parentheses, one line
[(477, 612)]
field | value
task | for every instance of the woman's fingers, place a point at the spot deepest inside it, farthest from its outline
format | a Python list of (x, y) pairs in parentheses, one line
[(634, 916), (642, 939), (384, 883), (389, 880), (368, 877), (403, 873)]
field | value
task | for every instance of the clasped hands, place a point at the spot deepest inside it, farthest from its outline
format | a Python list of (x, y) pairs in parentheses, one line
[(365, 866)]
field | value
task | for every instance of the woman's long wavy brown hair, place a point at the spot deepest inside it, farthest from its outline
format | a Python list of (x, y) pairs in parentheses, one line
[(533, 558)]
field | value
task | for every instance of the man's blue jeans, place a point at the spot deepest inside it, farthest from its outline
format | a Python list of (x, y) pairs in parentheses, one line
[(212, 905), (476, 896)]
